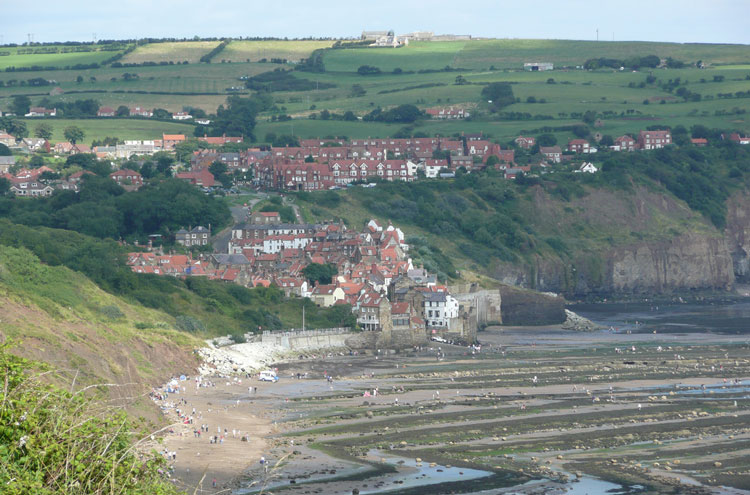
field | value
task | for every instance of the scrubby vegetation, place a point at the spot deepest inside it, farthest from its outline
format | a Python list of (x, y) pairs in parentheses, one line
[(58, 442)]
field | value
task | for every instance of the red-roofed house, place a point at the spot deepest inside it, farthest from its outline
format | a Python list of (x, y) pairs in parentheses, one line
[(41, 112), (7, 139), (78, 176), (579, 146), (652, 140), (624, 143), (220, 140), (105, 112), (480, 147), (201, 178), (265, 217), (170, 140), (127, 177)]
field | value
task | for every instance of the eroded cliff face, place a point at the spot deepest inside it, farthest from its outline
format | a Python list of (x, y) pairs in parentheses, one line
[(655, 244), (737, 234), (689, 261)]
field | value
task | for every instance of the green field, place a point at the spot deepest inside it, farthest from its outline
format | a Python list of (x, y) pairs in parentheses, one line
[(573, 92), (51, 59), (177, 51), (168, 80), (512, 53), (121, 128), (562, 95), (253, 51), (415, 56)]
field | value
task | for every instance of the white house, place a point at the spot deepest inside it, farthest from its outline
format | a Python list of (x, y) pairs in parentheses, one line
[(41, 112), (588, 168), (374, 225), (274, 244), (439, 309)]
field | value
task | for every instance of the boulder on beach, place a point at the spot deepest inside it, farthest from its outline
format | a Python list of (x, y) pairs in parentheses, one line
[(579, 323)]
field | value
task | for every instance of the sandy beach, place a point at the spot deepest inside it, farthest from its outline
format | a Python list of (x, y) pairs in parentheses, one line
[(229, 411), (439, 389)]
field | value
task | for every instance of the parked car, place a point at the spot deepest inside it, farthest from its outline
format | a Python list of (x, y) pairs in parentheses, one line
[(268, 376)]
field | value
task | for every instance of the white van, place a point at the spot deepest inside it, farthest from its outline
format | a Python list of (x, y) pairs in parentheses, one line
[(268, 376)]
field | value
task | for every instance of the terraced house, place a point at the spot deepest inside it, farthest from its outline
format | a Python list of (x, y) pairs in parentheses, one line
[(198, 236)]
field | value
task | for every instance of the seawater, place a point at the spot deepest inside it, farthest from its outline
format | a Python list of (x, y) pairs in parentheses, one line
[(646, 317)]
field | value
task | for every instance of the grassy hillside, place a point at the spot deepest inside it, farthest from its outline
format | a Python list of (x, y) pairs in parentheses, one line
[(56, 315), (204, 307)]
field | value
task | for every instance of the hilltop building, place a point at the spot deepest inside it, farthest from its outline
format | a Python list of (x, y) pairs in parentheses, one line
[(538, 66)]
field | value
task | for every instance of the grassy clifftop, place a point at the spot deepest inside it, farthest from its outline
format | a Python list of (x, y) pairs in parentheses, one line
[(55, 315)]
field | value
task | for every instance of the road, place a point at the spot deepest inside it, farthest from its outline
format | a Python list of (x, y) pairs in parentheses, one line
[(239, 215), (294, 206)]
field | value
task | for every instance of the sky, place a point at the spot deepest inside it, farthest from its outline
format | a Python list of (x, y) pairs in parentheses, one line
[(705, 21)]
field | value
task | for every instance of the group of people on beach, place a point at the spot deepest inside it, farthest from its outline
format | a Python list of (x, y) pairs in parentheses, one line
[(172, 401)]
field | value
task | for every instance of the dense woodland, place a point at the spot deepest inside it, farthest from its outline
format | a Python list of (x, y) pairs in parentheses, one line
[(103, 209)]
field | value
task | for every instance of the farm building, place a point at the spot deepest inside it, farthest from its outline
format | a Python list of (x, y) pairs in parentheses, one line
[(538, 66)]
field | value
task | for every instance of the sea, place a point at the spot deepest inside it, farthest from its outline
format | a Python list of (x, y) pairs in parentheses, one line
[(717, 317)]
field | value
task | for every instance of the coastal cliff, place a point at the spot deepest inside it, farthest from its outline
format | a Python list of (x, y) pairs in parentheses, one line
[(737, 234), (638, 243)]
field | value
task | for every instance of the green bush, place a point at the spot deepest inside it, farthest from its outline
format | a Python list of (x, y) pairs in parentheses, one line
[(67, 443), (111, 312), (189, 324)]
